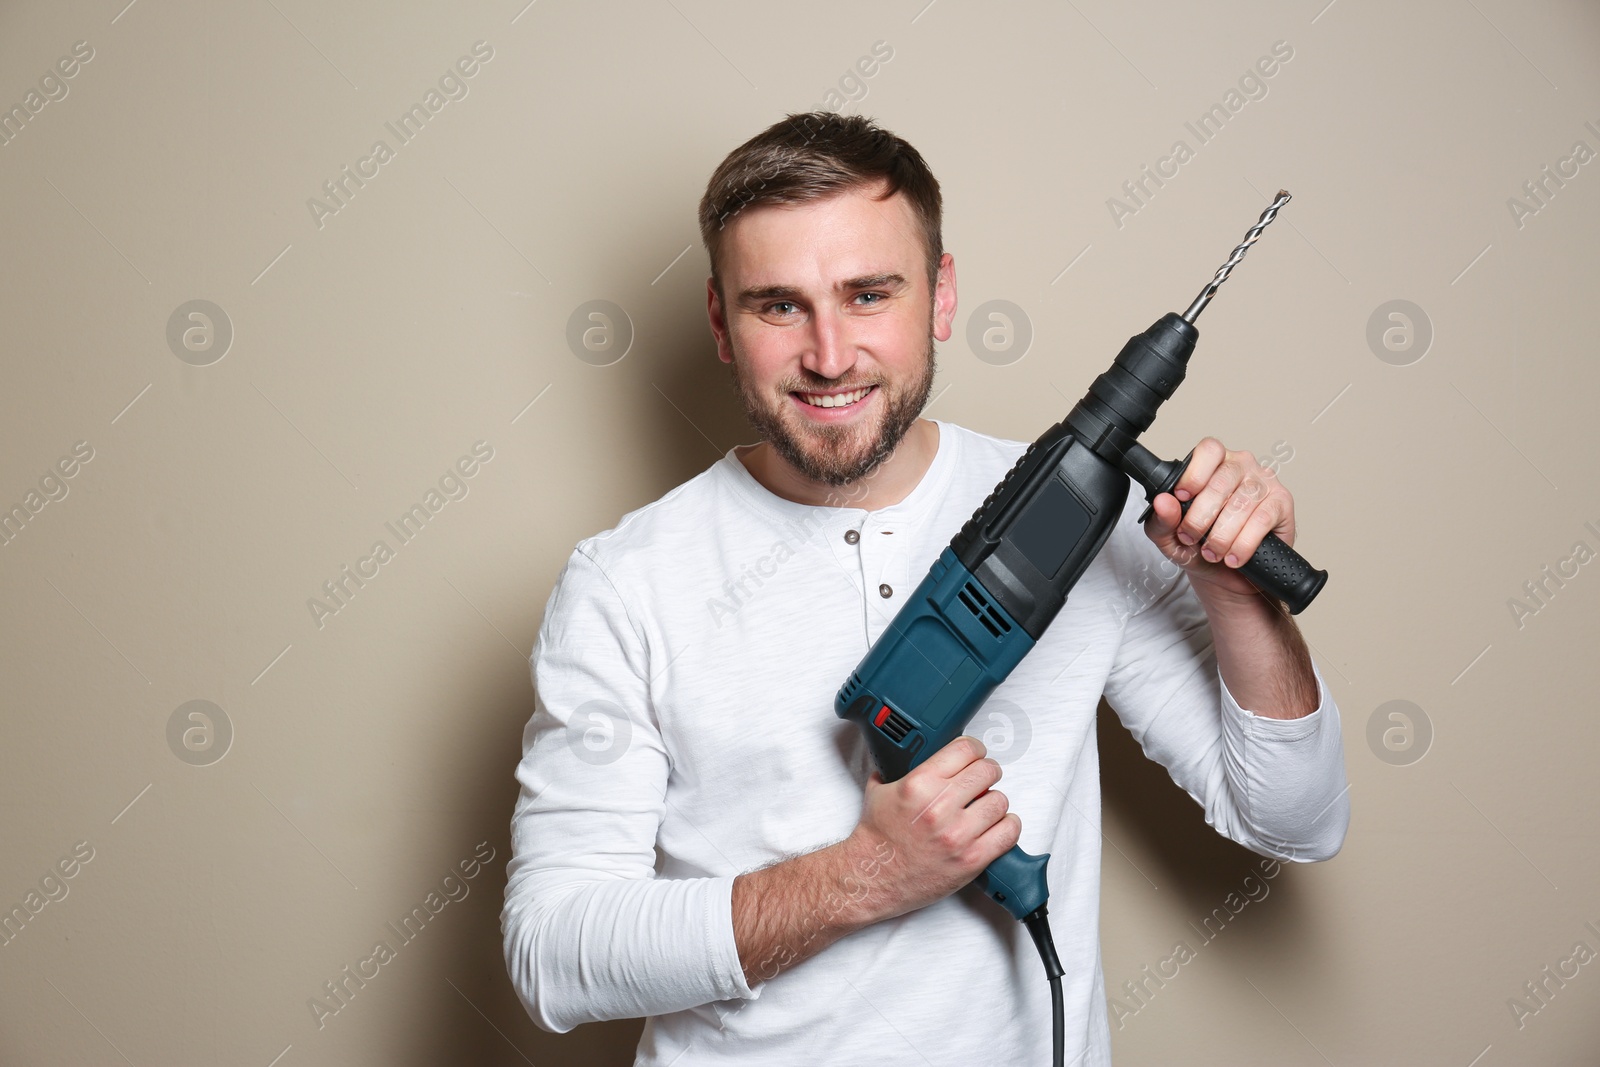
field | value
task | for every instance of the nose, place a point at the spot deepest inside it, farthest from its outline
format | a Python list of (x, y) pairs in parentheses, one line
[(829, 353)]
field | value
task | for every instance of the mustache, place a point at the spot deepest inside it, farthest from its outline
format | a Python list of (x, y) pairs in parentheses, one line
[(825, 386)]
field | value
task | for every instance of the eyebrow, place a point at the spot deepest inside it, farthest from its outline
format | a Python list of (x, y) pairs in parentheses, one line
[(886, 279)]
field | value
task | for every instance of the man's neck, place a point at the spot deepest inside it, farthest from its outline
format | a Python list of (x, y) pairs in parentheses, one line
[(889, 483)]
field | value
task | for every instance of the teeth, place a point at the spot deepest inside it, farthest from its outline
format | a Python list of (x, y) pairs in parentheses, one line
[(838, 401)]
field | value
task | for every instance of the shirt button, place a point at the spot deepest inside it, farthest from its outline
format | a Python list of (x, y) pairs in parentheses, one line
[(885, 591), (851, 537)]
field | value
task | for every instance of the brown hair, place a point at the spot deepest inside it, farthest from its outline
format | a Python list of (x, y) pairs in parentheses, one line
[(813, 155)]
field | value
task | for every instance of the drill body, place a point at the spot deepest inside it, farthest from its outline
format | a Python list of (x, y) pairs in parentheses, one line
[(991, 594)]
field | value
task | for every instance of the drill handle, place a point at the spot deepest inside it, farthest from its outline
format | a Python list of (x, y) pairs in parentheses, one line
[(1274, 568), (1279, 571), (1016, 882)]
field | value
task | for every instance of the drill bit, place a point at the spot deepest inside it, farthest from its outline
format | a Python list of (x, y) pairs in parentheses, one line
[(1250, 238)]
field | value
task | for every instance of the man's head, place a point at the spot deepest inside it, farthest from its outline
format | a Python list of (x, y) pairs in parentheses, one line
[(828, 275)]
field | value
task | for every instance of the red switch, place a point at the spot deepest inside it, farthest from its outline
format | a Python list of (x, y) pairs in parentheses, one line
[(883, 713)]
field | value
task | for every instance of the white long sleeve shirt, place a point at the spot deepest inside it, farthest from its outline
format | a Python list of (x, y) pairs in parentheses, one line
[(683, 733)]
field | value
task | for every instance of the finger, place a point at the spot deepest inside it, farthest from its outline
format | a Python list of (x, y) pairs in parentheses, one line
[(1264, 520), (974, 781), (1164, 515), (999, 838), (1247, 497), (1162, 526), (1203, 462), (999, 802), (979, 819), (952, 758), (958, 792), (983, 815), (1207, 503)]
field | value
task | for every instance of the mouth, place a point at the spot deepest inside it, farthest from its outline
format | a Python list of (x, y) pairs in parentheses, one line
[(841, 400)]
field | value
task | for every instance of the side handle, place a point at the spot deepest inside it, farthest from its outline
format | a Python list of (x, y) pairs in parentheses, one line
[(1274, 568)]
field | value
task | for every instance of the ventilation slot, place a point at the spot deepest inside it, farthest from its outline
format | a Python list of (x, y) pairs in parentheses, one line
[(850, 687), (984, 611), (895, 726)]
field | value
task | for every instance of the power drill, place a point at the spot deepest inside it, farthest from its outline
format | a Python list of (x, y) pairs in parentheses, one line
[(992, 593)]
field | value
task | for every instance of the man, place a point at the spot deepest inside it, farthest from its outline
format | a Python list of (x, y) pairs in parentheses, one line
[(700, 840)]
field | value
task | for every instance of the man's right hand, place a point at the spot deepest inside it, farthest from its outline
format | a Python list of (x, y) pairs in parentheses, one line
[(931, 832), (919, 840)]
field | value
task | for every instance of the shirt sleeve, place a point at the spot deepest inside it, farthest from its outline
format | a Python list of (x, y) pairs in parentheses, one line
[(1276, 786), (590, 933)]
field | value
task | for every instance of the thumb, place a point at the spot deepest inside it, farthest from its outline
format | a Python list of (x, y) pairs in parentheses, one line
[(1162, 529), (1162, 525)]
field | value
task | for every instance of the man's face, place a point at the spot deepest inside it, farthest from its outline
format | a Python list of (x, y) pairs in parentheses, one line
[(828, 304)]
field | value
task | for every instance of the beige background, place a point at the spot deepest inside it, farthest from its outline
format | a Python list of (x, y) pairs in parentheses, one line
[(374, 753)]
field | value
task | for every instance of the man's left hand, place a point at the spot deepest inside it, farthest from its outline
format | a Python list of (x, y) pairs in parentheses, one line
[(1234, 503)]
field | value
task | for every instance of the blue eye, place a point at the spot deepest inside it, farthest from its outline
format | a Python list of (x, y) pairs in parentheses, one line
[(781, 303), (878, 295)]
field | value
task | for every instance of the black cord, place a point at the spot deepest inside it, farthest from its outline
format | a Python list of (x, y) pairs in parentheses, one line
[(1058, 1045), (1038, 925)]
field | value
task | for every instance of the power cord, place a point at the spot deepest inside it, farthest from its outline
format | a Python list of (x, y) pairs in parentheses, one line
[(1038, 925)]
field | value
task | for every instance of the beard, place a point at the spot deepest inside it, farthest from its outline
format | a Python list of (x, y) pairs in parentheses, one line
[(837, 455)]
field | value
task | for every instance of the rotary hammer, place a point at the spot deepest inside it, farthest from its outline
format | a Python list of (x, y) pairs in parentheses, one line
[(994, 590)]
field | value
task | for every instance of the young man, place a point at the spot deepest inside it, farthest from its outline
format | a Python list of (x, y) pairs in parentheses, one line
[(700, 840)]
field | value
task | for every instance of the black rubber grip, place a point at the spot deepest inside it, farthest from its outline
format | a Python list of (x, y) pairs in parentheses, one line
[(1279, 571), (1274, 568)]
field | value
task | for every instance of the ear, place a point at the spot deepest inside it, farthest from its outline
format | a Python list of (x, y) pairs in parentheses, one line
[(944, 298), (719, 323)]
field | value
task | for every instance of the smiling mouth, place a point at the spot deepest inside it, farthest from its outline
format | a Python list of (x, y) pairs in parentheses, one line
[(835, 400)]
